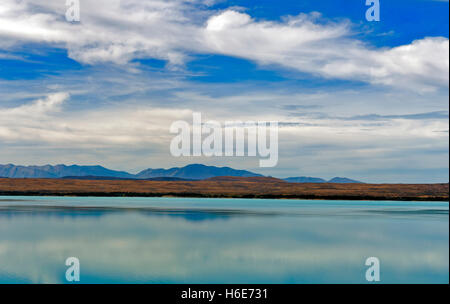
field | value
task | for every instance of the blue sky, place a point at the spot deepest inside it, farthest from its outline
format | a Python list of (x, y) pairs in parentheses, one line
[(366, 100)]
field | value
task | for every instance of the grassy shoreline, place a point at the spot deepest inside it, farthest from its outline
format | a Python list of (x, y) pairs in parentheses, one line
[(226, 188), (196, 195)]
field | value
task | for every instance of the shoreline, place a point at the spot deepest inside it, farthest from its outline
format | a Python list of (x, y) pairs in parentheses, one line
[(244, 188), (278, 197)]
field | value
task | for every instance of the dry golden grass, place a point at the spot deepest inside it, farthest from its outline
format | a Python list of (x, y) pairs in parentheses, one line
[(224, 187)]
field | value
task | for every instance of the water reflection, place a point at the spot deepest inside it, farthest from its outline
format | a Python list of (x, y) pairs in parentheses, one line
[(73, 211), (218, 241)]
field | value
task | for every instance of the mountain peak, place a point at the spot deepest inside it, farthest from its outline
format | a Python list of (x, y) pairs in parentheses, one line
[(58, 171), (344, 180), (304, 179), (195, 171), (188, 172)]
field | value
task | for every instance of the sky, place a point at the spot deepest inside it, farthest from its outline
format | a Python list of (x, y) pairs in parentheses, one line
[(364, 100)]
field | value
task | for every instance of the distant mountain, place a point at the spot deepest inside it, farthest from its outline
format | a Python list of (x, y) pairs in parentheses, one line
[(21, 172), (344, 180), (195, 171), (189, 172), (258, 179), (168, 179), (92, 177), (58, 171), (304, 179)]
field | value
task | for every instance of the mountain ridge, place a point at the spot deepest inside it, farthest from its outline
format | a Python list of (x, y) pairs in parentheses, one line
[(188, 172), (58, 171), (304, 179), (344, 180), (195, 171)]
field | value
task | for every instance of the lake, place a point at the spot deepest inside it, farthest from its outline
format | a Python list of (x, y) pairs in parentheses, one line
[(202, 240)]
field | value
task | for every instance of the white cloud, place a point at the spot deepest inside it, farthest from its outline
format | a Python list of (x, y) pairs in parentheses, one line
[(45, 121), (120, 31), (300, 43), (422, 63), (320, 142), (52, 103)]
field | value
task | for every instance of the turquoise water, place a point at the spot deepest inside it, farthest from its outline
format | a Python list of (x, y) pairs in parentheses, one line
[(193, 240)]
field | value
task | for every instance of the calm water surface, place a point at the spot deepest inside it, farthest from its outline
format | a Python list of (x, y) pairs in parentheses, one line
[(193, 240)]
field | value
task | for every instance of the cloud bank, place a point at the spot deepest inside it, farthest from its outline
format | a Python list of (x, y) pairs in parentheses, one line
[(122, 31)]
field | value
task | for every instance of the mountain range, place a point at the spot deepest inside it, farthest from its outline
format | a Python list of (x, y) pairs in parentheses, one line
[(58, 171), (195, 171), (189, 172), (307, 179)]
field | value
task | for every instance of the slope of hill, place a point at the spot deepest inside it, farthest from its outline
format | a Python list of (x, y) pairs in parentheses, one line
[(195, 171), (335, 180), (13, 171), (304, 179), (58, 171), (93, 177), (254, 179), (344, 180)]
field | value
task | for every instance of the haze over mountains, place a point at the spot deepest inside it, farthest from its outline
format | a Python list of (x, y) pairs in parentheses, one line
[(189, 172), (195, 171), (58, 171), (305, 179)]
